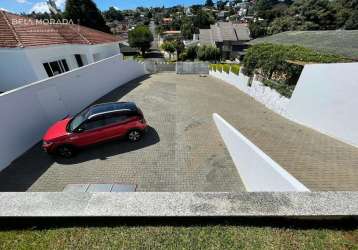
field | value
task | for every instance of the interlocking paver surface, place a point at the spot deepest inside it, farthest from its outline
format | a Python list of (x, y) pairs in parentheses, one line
[(183, 150)]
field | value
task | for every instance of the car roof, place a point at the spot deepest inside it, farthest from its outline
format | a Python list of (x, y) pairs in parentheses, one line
[(111, 107)]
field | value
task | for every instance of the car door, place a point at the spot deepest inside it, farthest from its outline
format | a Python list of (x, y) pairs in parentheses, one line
[(90, 132), (117, 124)]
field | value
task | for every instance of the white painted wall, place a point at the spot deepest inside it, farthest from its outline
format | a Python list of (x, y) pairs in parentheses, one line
[(28, 111), (258, 171), (326, 99), (265, 95), (21, 66), (15, 69)]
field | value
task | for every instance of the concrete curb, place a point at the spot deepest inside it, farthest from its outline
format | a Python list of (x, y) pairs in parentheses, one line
[(292, 205)]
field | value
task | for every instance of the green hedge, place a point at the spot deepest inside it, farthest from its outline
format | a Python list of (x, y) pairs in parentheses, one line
[(234, 68), (269, 59), (281, 88), (226, 68)]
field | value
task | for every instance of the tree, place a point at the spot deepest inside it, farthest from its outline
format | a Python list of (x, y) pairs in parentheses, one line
[(209, 3), (203, 20), (346, 13), (282, 24), (263, 8), (208, 53), (221, 4), (316, 14), (113, 14), (140, 38), (187, 29), (258, 29), (352, 22), (86, 13), (170, 47), (55, 12)]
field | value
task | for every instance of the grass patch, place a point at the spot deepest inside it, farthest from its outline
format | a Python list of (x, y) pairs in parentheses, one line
[(179, 237)]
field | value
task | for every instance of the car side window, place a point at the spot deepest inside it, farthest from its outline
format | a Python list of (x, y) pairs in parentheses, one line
[(93, 123), (116, 118)]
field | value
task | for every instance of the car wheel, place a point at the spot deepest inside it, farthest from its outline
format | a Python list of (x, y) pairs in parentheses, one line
[(134, 135), (66, 151)]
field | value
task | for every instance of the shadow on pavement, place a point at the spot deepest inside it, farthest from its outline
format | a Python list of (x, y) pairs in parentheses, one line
[(105, 150), (24, 171)]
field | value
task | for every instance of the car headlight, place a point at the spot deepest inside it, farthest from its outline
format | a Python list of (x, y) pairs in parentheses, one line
[(47, 144)]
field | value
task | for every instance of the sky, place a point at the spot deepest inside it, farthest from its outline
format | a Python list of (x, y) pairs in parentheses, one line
[(18, 6)]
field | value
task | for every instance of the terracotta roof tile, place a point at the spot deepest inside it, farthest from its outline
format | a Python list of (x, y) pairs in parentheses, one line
[(19, 31)]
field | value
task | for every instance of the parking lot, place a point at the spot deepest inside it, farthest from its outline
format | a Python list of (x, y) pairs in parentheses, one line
[(183, 150)]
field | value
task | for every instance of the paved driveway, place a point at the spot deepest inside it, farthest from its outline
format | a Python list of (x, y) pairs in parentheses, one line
[(183, 150)]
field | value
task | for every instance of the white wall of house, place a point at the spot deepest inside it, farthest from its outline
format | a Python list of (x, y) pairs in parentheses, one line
[(21, 66), (29, 110), (15, 69), (325, 99)]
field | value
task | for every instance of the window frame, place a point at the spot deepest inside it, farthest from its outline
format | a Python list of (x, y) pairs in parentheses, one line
[(62, 65)]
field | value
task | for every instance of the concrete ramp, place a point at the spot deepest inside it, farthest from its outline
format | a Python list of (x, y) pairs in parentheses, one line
[(258, 171)]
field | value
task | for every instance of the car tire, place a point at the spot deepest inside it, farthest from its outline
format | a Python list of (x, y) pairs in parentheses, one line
[(135, 135), (66, 151)]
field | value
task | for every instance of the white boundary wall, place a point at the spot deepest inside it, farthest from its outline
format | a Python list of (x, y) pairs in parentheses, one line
[(27, 112), (258, 171), (265, 95), (325, 99)]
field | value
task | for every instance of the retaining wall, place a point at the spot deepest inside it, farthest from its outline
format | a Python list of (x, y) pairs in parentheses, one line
[(27, 112), (192, 68), (265, 95), (258, 172), (156, 67), (325, 99)]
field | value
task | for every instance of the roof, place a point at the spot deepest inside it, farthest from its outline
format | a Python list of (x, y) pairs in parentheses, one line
[(224, 31), (111, 107), (20, 31), (339, 42)]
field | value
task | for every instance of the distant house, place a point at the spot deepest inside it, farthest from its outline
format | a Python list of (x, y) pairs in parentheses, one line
[(167, 21), (31, 50), (222, 15), (230, 38), (169, 35)]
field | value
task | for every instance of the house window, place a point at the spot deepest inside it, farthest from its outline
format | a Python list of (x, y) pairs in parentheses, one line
[(56, 67), (79, 60)]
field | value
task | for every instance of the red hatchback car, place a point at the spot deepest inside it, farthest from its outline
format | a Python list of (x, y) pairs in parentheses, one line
[(95, 124)]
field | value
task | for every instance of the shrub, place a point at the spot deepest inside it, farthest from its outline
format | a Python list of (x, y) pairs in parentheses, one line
[(235, 68), (208, 53), (219, 67), (273, 59), (189, 53), (226, 68), (282, 88)]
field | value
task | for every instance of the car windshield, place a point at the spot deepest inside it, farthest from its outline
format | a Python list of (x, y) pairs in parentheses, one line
[(77, 121)]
